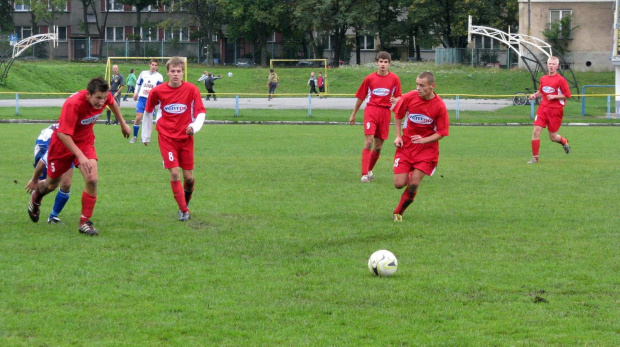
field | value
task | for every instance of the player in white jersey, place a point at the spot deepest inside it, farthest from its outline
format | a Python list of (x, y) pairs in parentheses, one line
[(147, 80), (41, 146)]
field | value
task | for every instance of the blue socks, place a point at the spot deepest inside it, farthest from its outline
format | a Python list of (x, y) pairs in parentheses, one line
[(59, 202), (135, 130)]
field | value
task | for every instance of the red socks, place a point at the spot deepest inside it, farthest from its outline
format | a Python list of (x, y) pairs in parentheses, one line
[(88, 205), (179, 195), (405, 200), (535, 148), (366, 154), (374, 156)]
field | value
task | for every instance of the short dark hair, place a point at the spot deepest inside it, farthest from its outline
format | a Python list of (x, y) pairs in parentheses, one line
[(384, 55), (97, 84), (131, 71), (270, 70), (428, 76)]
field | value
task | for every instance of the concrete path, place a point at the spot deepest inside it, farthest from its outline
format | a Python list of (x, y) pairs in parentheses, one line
[(283, 103)]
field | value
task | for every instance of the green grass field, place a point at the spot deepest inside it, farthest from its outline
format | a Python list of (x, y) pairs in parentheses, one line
[(493, 252)]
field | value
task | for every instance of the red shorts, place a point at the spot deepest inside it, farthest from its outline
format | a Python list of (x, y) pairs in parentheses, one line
[(406, 160), (551, 117), (377, 121), (177, 153), (60, 158)]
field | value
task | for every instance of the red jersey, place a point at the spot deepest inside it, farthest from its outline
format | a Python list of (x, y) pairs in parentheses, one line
[(423, 117), (554, 85), (179, 107), (380, 88), (78, 117)]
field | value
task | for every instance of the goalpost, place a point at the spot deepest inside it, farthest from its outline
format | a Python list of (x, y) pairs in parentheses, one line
[(139, 64), (316, 64)]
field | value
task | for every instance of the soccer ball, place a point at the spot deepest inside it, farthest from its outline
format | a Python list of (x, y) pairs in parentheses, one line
[(382, 263), (230, 74)]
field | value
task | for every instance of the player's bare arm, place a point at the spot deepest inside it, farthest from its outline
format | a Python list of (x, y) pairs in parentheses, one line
[(420, 140), (33, 184), (119, 117), (67, 140), (398, 141), (358, 104)]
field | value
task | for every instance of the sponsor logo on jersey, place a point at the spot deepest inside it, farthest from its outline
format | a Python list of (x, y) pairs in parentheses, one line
[(381, 92), (420, 118), (548, 89), (175, 108), (90, 120)]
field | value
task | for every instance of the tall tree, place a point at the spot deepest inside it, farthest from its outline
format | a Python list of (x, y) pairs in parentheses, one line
[(209, 16), (6, 16), (256, 21), (139, 5)]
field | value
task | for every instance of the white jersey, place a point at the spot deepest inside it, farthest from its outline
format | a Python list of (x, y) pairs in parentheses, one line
[(43, 141), (147, 81)]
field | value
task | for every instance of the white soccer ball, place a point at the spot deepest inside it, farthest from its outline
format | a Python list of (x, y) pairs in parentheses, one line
[(230, 74), (382, 263)]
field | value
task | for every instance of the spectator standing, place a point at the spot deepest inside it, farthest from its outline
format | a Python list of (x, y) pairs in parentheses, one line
[(116, 86), (272, 83), (131, 83)]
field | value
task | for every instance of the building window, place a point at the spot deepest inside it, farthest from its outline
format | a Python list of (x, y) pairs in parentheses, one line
[(558, 15), (62, 7), (173, 6), (21, 6), (115, 34), (62, 34), (214, 37), (91, 18), (181, 34), (147, 34), (115, 5), (149, 8), (366, 42), (23, 32)]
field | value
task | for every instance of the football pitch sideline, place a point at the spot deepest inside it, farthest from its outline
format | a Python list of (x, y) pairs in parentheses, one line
[(492, 252)]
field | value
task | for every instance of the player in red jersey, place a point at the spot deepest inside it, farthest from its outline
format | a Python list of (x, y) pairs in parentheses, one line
[(183, 114), (383, 87), (74, 142), (554, 91), (417, 148)]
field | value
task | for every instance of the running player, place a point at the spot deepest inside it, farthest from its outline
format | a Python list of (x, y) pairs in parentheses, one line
[(74, 143), (41, 146), (147, 80), (554, 91), (182, 116), (383, 89), (417, 150)]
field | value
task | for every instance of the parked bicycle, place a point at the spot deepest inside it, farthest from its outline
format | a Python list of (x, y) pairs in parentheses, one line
[(523, 98)]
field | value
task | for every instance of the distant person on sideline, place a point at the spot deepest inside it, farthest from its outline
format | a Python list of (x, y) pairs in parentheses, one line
[(272, 83), (383, 89), (131, 84), (117, 82), (417, 148), (553, 92)]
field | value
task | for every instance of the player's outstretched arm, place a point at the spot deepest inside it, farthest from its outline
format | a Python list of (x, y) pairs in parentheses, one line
[(195, 126), (119, 117), (33, 184)]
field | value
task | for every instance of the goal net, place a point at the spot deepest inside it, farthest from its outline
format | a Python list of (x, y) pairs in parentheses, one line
[(304, 67), (139, 64)]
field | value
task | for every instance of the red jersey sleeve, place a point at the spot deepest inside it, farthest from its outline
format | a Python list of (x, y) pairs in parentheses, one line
[(362, 92), (401, 107), (68, 117), (443, 119)]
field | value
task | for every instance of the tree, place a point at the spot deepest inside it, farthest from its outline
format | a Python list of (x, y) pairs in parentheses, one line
[(6, 16), (139, 5), (559, 34), (209, 16), (256, 21)]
